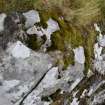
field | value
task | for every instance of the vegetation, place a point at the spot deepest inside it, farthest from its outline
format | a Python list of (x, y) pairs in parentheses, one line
[(80, 12), (75, 18), (15, 5)]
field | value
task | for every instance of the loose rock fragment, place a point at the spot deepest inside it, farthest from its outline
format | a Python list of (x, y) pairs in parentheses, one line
[(32, 17), (52, 27), (18, 50), (79, 55)]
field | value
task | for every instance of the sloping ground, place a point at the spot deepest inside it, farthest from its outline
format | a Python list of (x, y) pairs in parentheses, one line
[(52, 58), (75, 19), (46, 75)]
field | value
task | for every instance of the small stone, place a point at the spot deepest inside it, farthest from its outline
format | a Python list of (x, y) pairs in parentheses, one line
[(79, 55), (35, 30), (52, 27), (18, 50), (32, 17)]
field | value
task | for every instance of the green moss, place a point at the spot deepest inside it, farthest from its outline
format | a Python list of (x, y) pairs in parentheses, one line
[(34, 43), (57, 42), (46, 14), (65, 39), (68, 59), (68, 35), (102, 7), (72, 35), (44, 18), (88, 47)]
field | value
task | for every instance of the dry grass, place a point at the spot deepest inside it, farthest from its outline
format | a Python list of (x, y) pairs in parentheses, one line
[(80, 12)]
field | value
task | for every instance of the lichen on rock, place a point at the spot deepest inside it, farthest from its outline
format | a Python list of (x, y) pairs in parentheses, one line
[(49, 58)]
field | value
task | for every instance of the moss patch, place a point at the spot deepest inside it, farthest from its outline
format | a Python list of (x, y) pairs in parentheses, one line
[(46, 14), (89, 50), (69, 37), (16, 5), (34, 43)]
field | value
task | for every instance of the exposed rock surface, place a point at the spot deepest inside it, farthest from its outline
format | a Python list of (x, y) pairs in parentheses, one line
[(79, 55), (19, 50), (29, 77), (26, 67), (32, 17), (102, 41), (99, 60)]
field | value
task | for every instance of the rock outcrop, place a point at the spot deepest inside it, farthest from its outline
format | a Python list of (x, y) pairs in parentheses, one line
[(33, 77)]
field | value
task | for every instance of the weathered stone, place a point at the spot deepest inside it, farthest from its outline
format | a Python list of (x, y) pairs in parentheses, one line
[(27, 68), (44, 87), (32, 17), (19, 50), (79, 55), (52, 27), (99, 66)]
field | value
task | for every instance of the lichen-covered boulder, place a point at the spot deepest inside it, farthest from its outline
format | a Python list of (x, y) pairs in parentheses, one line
[(26, 68)]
